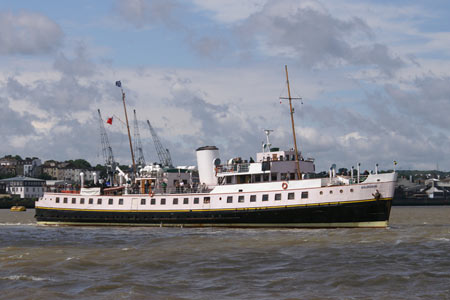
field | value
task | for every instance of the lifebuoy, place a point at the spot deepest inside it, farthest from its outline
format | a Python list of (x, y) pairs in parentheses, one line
[(152, 194), (284, 185)]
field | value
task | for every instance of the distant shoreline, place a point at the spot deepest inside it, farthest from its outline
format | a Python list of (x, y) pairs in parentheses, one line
[(8, 202)]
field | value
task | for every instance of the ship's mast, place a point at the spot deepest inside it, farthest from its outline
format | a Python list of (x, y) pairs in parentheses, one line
[(119, 84), (299, 174)]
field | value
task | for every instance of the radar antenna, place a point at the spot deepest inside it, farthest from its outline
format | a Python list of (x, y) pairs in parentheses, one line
[(163, 154), (138, 153), (267, 145)]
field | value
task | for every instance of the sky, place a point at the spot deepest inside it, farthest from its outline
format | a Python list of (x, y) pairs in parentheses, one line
[(374, 78)]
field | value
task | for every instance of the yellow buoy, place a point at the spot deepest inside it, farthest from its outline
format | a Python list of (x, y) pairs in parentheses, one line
[(18, 208)]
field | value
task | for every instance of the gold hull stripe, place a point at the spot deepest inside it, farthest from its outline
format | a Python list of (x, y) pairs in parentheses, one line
[(374, 224), (218, 209)]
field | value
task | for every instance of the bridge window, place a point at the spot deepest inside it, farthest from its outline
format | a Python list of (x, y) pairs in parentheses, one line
[(241, 199), (278, 196), (304, 195), (252, 198), (291, 196), (230, 199)]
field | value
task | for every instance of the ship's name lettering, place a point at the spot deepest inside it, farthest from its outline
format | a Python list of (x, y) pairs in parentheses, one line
[(372, 186)]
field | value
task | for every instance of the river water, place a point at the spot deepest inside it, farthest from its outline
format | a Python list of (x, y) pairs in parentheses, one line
[(409, 260)]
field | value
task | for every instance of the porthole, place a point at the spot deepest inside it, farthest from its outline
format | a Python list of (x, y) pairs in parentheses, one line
[(331, 192), (341, 191), (351, 190), (321, 192)]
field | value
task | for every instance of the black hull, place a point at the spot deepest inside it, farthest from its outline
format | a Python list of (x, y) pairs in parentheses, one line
[(371, 213)]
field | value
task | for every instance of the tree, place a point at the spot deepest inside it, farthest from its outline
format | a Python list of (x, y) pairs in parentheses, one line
[(80, 163), (343, 171)]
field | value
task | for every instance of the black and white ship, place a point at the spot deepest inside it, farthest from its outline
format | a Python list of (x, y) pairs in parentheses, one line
[(274, 190)]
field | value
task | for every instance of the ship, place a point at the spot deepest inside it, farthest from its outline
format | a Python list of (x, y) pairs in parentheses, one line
[(276, 190)]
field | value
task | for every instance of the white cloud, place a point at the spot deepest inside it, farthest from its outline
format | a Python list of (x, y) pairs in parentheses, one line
[(28, 33)]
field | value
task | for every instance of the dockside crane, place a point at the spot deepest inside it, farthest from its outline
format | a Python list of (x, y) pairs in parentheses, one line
[(138, 153), (163, 154), (108, 155)]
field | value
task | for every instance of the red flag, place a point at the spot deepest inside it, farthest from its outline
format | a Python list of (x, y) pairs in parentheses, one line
[(109, 121)]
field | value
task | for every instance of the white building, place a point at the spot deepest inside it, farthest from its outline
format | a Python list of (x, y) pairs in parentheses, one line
[(25, 187)]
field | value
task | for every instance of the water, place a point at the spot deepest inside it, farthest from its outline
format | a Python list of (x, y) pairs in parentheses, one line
[(410, 260)]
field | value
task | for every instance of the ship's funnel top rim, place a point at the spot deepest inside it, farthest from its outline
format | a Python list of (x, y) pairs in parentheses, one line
[(207, 148)]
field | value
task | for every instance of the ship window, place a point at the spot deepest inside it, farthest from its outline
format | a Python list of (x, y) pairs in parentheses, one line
[(153, 201), (265, 197), (304, 195), (278, 196), (229, 179), (351, 190), (241, 199), (74, 200), (110, 201), (65, 200), (252, 198), (196, 200), (291, 196), (120, 201), (57, 200), (331, 192), (163, 201), (99, 201), (321, 192), (175, 201), (186, 201), (82, 201), (142, 201), (341, 191), (266, 177), (284, 176), (274, 177), (292, 175), (257, 178), (230, 199), (206, 200), (91, 201)]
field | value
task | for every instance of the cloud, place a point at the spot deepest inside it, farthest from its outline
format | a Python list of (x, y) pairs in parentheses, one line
[(28, 33), (80, 65), (143, 12), (310, 35)]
